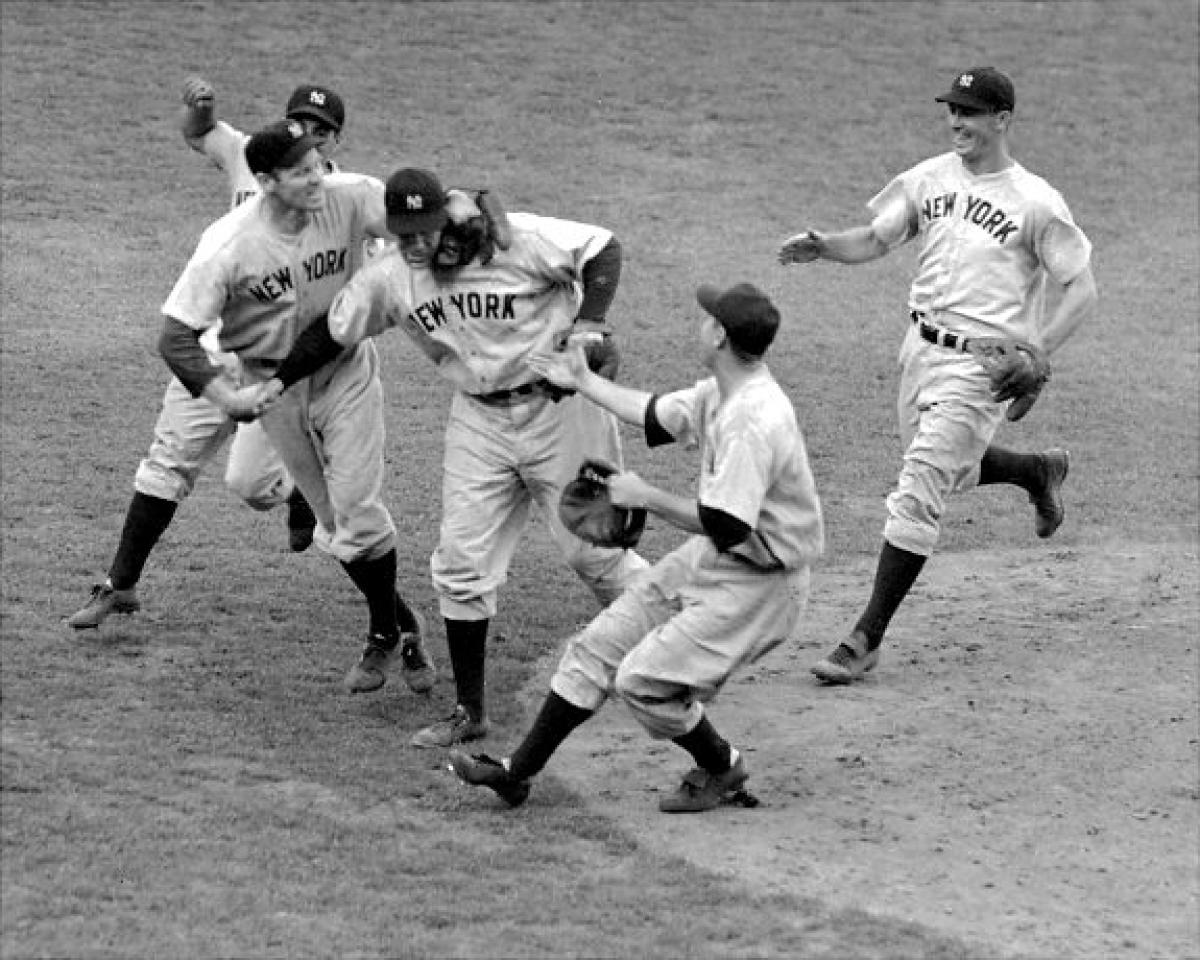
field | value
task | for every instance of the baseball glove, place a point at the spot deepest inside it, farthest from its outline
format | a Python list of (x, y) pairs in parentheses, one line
[(586, 510), (478, 235), (1017, 370)]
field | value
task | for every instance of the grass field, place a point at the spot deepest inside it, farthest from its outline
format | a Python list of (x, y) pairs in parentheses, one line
[(191, 782)]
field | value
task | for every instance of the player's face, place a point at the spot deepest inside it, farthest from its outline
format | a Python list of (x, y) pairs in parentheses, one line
[(974, 133), (329, 138), (419, 249), (712, 334), (302, 185)]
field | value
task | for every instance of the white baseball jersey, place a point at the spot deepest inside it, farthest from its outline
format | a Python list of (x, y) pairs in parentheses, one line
[(225, 146), (265, 288), (987, 244), (479, 325), (754, 466)]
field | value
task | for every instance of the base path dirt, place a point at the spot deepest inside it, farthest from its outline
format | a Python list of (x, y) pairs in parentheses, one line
[(1019, 772)]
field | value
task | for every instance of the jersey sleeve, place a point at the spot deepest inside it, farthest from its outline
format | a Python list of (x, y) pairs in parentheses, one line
[(893, 213), (680, 413), (564, 245), (367, 305), (199, 295), (1062, 247)]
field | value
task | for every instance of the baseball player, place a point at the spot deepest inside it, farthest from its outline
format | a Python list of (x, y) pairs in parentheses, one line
[(263, 272), (513, 439), (989, 235), (254, 470), (734, 590)]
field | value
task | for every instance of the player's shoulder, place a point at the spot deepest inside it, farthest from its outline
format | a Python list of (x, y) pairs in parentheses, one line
[(230, 230), (1033, 184), (339, 179)]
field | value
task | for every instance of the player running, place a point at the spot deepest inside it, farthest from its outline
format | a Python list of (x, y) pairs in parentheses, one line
[(513, 439), (731, 593), (989, 233), (262, 273)]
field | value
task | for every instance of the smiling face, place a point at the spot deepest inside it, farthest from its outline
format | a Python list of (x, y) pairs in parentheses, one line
[(419, 249), (302, 185), (978, 136), (328, 139)]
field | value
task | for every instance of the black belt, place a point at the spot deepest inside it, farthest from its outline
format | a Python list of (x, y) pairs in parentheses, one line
[(938, 336), (503, 396)]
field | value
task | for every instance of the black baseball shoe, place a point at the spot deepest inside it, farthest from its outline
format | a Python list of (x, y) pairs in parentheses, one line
[(1047, 503), (849, 661), (702, 790), (482, 771), (301, 522), (370, 673)]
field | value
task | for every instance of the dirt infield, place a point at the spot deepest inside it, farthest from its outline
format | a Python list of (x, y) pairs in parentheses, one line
[(946, 789)]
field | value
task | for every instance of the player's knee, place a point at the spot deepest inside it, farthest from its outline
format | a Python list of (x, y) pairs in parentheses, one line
[(260, 491), (163, 482)]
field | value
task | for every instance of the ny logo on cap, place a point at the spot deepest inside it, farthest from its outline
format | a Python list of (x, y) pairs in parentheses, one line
[(317, 97), (414, 201), (295, 130), (966, 80)]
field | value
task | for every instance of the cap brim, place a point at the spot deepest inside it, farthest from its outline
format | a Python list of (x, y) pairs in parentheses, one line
[(299, 149), (960, 99), (403, 223), (314, 113), (707, 295)]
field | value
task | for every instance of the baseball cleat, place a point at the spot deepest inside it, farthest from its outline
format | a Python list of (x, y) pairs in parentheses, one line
[(459, 727), (480, 770), (416, 665), (301, 522), (701, 790), (850, 661), (370, 673), (1047, 504), (105, 600)]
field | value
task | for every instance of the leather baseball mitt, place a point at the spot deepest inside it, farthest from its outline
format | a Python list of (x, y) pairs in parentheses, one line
[(1016, 369), (587, 511)]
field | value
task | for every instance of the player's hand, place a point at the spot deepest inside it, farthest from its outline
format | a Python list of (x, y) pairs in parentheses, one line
[(198, 92), (627, 489), (566, 366), (801, 248), (242, 405), (268, 394)]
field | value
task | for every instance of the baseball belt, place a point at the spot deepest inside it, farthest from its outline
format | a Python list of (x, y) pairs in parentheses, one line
[(526, 391), (937, 336)]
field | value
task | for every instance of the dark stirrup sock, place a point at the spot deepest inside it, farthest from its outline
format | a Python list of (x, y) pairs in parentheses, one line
[(1007, 466), (376, 579), (467, 640), (708, 748), (146, 519), (556, 721), (895, 574)]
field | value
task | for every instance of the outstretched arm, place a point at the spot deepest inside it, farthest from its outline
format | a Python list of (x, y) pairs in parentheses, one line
[(856, 245), (199, 110), (568, 368)]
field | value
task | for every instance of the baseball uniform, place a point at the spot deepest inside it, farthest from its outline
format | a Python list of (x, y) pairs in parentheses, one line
[(987, 244), (672, 640), (508, 443)]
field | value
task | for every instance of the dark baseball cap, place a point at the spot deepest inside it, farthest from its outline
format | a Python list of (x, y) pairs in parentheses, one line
[(415, 202), (747, 314), (981, 88), (311, 102), (278, 144)]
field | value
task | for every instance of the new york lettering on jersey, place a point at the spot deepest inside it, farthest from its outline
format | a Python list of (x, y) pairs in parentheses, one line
[(977, 210), (436, 313)]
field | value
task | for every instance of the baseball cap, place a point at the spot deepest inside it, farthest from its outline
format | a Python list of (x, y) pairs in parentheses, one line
[(309, 101), (747, 314), (278, 144), (982, 88), (415, 202)]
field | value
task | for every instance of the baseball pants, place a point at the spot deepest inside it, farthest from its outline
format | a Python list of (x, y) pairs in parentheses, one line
[(671, 641)]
